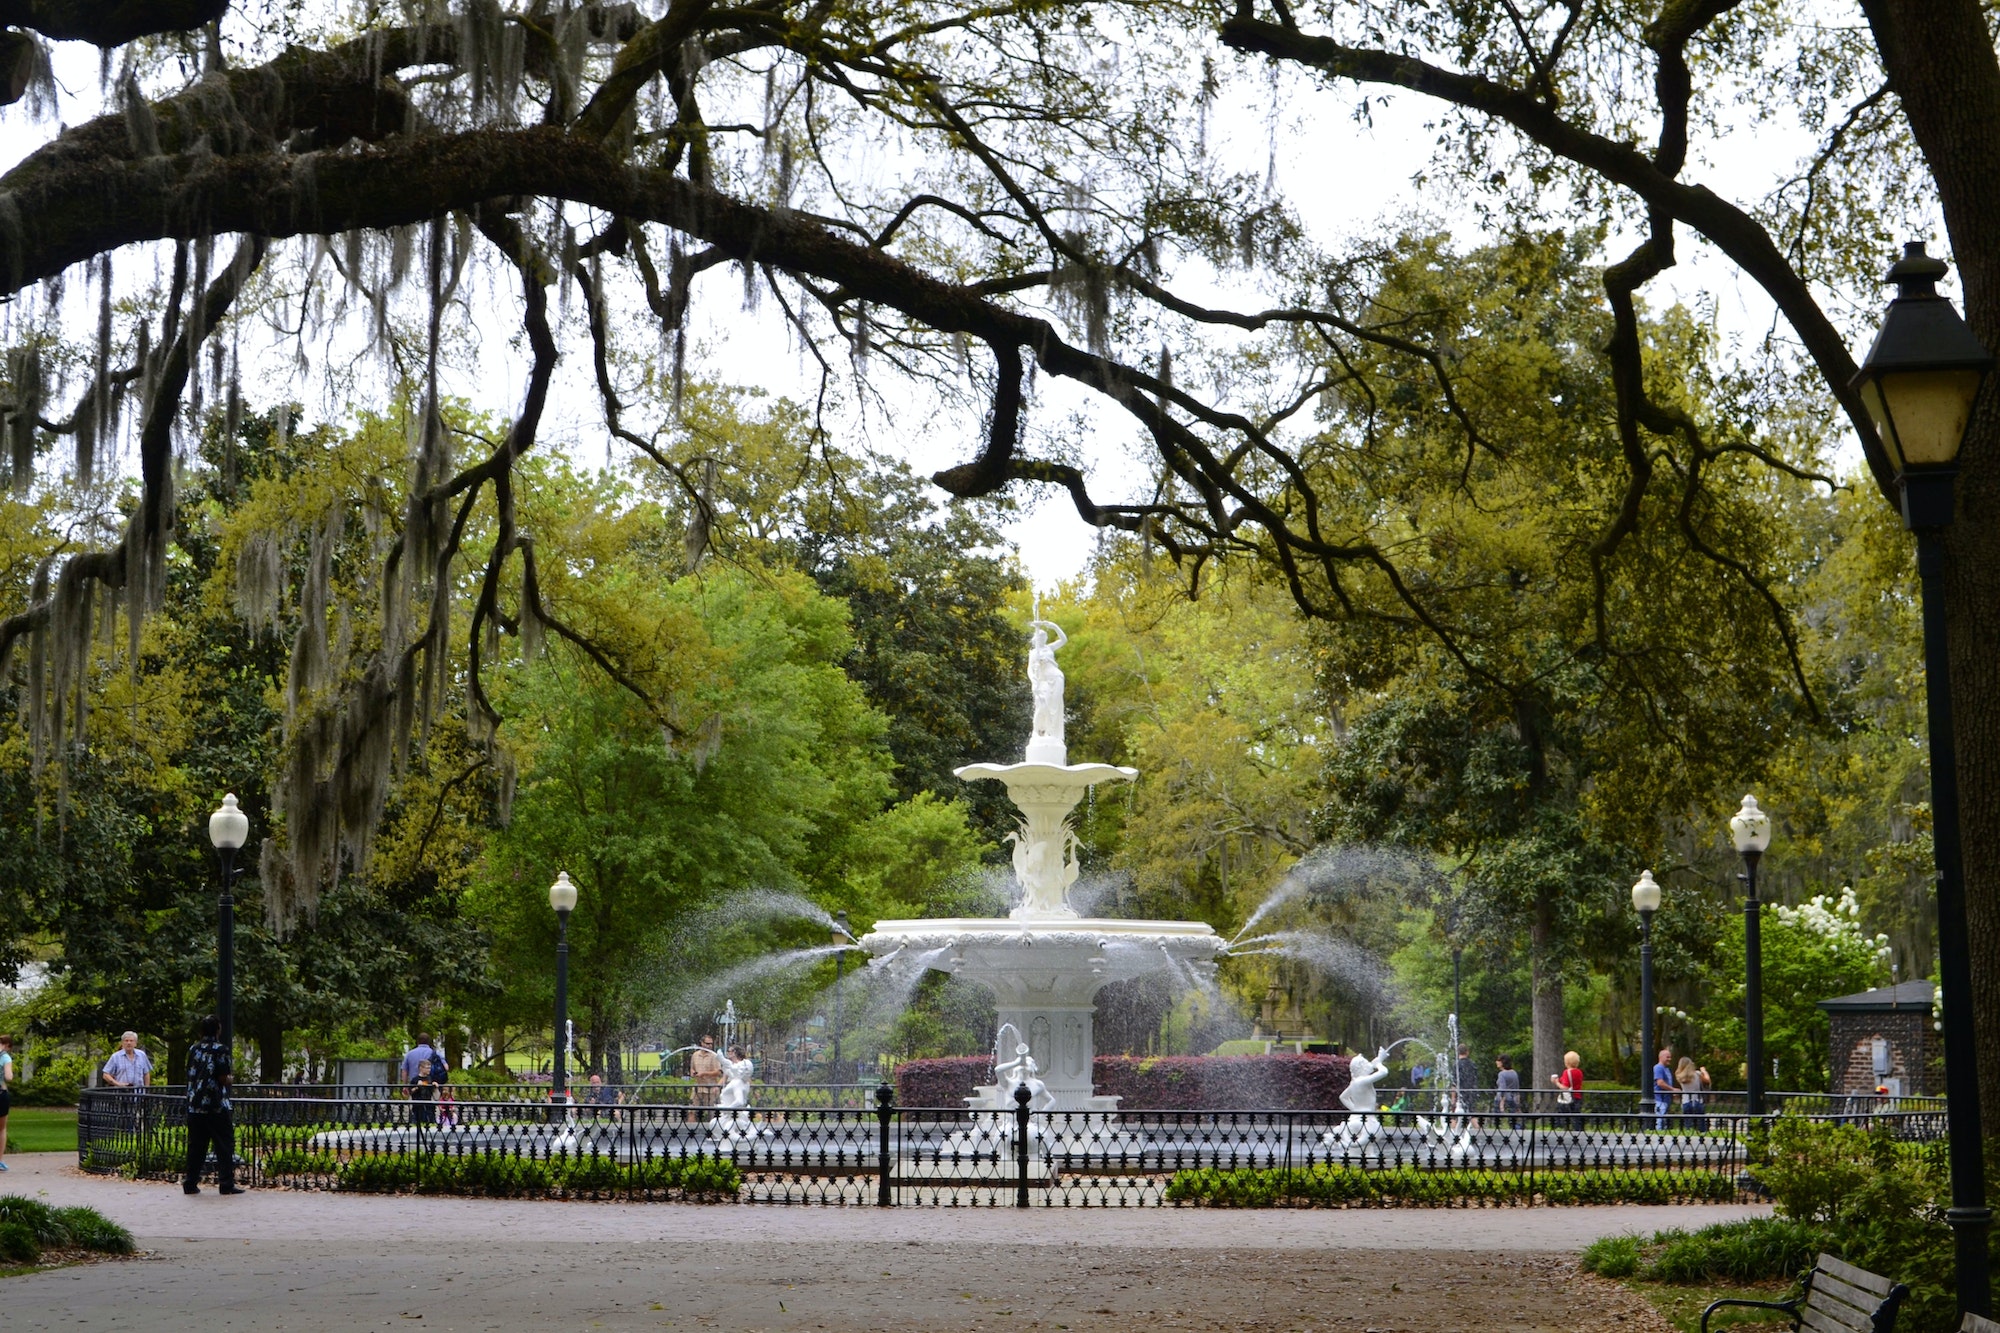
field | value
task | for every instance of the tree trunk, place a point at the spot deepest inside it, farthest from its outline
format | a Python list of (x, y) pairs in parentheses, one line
[(271, 1050), (1547, 989)]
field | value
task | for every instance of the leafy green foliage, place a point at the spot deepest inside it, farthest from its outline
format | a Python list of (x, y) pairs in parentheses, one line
[(18, 1244), (1611, 1256), (1754, 1250)]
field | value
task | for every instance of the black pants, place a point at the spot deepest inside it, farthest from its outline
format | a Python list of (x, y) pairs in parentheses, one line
[(211, 1129)]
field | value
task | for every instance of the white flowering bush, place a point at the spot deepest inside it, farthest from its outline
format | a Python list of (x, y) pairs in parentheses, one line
[(1812, 952)]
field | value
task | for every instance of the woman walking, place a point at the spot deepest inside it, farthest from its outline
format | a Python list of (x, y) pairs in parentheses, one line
[(1693, 1080), (1569, 1085)]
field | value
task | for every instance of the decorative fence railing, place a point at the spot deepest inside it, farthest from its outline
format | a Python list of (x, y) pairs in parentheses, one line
[(667, 1091), (889, 1154), (1429, 1099)]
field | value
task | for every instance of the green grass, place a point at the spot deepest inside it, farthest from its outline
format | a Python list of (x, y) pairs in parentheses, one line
[(1680, 1271), (1683, 1305), (41, 1129)]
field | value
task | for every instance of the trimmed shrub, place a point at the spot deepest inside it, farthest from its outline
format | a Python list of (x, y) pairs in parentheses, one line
[(500, 1176), (301, 1162), (1282, 1082), (1757, 1250), (1611, 1256), (42, 1221), (694, 1179), (17, 1244), (1333, 1186), (1811, 1166), (91, 1230)]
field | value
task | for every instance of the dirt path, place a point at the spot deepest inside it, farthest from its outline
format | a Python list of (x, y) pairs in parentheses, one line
[(295, 1261)]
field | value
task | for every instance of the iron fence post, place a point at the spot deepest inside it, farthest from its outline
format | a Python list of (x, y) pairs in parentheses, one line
[(1021, 1099), (1291, 1118), (1533, 1127), (885, 1110)]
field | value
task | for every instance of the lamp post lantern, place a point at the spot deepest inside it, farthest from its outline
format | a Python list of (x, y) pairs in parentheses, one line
[(1750, 830), (1646, 901), (842, 937), (1918, 383), (562, 897), (228, 829)]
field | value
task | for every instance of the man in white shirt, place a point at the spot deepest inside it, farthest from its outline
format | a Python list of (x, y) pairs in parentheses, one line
[(128, 1067)]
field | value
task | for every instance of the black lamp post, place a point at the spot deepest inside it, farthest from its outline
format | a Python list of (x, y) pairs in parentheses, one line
[(562, 897), (228, 828), (843, 938), (1918, 383), (1750, 829), (1646, 901)]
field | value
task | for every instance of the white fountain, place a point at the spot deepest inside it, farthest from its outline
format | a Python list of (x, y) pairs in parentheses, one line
[(1044, 961)]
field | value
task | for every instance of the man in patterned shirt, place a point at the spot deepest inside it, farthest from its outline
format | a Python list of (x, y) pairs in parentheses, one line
[(209, 1123)]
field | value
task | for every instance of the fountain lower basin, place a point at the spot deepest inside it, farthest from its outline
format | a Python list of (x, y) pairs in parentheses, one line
[(1045, 975)]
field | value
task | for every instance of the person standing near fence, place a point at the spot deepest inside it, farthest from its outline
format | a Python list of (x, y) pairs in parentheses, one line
[(413, 1059), (1506, 1087), (1663, 1087), (705, 1067), (6, 1094), (1569, 1084), (1693, 1079), (210, 1118), (129, 1067)]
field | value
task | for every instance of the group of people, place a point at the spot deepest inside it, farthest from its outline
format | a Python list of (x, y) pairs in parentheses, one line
[(1686, 1080)]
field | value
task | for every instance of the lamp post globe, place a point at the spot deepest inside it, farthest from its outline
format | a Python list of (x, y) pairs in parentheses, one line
[(228, 830), (1646, 901), (1919, 382), (1750, 831), (562, 897)]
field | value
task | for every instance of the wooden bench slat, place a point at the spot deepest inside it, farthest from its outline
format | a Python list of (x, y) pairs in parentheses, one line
[(1834, 1319), (1859, 1277), (1832, 1288), (1978, 1323)]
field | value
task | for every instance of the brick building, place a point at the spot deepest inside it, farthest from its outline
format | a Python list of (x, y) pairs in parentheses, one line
[(1885, 1038)]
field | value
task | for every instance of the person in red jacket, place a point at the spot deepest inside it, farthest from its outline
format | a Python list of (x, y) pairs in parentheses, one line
[(1570, 1081)]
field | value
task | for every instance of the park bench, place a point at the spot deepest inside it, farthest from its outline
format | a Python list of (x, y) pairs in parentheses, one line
[(1978, 1323), (1838, 1298)]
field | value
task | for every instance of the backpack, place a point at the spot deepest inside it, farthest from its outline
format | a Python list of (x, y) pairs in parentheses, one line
[(432, 1068)]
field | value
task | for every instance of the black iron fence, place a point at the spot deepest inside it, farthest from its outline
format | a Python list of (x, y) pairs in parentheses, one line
[(894, 1155), (1429, 1099), (664, 1091)]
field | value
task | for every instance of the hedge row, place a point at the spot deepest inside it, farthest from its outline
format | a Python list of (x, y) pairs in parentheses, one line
[(496, 1175), (1158, 1083), (1333, 1186)]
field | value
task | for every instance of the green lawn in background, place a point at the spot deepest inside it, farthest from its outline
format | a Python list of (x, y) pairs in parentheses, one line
[(41, 1129)]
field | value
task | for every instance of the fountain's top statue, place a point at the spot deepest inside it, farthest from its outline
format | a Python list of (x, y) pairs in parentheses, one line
[(1045, 680)]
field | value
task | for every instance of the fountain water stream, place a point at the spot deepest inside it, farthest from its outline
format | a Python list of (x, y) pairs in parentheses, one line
[(1045, 961)]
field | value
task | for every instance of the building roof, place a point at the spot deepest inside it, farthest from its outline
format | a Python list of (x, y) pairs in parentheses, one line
[(1908, 995)]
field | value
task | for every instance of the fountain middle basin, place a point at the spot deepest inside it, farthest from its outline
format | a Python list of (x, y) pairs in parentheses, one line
[(1045, 975)]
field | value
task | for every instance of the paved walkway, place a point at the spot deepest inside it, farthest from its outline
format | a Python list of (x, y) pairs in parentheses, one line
[(297, 1260)]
